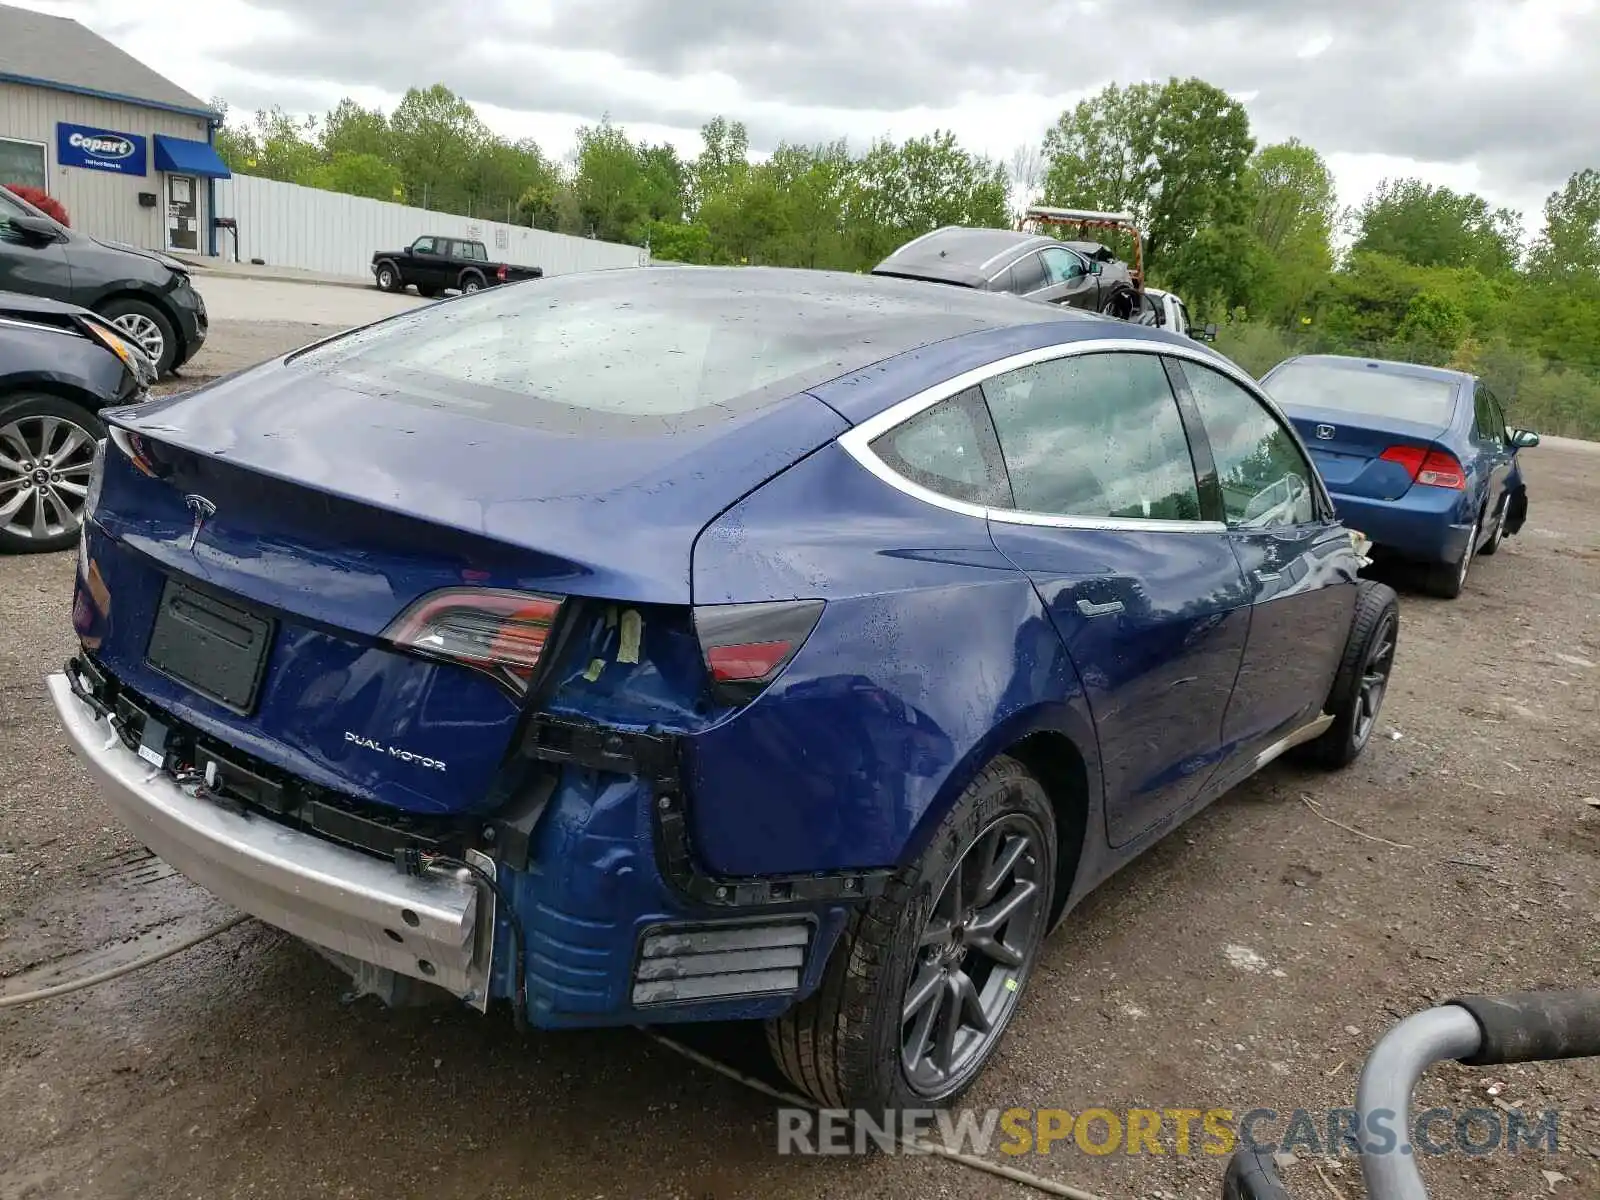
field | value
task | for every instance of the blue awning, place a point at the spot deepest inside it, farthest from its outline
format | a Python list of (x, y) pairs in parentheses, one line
[(189, 158)]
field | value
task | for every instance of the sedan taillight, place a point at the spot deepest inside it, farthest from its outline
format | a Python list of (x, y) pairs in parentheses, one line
[(747, 646), (500, 633), (1431, 468)]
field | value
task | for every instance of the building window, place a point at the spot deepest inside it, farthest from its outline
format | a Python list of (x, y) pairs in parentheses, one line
[(24, 163)]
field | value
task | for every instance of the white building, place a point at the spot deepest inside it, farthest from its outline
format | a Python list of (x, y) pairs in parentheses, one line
[(128, 153)]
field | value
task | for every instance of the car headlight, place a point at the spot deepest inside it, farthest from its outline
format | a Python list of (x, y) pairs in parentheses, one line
[(135, 359)]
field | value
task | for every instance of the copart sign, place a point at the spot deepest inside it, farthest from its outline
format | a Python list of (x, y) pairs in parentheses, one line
[(100, 149)]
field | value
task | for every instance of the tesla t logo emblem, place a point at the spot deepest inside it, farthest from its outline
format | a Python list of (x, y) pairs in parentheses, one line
[(203, 511), (1326, 432)]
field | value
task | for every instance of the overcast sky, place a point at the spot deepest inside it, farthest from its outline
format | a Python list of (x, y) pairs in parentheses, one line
[(1496, 96)]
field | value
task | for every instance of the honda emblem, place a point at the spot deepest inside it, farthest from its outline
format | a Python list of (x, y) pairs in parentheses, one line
[(1326, 432)]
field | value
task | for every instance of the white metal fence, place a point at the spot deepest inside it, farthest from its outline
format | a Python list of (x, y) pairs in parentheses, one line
[(287, 225)]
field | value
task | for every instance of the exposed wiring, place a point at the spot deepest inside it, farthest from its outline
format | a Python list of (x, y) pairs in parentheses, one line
[(1048, 1186), (106, 976), (418, 862)]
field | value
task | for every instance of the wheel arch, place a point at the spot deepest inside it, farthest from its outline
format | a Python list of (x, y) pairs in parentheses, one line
[(1056, 743), (13, 386)]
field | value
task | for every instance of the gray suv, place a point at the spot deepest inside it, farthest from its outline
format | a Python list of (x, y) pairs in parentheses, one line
[(146, 295)]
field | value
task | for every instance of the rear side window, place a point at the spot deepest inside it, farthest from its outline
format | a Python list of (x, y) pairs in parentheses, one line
[(1027, 275), (1491, 428), (1266, 480), (949, 449), (1364, 391), (1095, 435)]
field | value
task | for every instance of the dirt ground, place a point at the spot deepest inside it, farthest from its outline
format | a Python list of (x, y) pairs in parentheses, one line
[(1249, 961)]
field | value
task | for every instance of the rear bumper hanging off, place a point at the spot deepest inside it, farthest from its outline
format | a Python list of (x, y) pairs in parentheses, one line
[(334, 897)]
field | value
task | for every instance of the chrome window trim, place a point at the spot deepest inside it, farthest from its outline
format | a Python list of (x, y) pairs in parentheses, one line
[(857, 442), (19, 323)]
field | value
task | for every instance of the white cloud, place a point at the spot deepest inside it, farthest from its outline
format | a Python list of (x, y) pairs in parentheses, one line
[(1494, 95)]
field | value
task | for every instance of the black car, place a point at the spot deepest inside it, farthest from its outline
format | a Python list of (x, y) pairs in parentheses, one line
[(436, 264), (146, 295), (59, 366), (1081, 274)]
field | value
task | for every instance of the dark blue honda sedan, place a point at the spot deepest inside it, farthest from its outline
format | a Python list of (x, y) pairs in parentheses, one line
[(694, 644), (1419, 459)]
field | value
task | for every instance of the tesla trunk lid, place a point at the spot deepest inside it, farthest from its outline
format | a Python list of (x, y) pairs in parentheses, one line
[(285, 520)]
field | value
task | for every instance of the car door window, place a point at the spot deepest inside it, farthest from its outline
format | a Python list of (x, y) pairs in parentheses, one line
[(1490, 424), (423, 246), (1027, 275), (1265, 478), (1061, 266), (1500, 426), (949, 449), (1095, 435)]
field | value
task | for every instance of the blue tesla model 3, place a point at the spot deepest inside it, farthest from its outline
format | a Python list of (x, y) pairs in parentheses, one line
[(689, 644), (1419, 459)]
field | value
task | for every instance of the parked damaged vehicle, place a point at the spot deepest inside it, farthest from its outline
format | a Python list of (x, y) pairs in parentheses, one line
[(1027, 262), (1421, 459), (694, 644), (1082, 275), (60, 365)]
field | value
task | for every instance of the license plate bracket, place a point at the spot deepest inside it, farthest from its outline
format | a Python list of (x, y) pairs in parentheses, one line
[(210, 646)]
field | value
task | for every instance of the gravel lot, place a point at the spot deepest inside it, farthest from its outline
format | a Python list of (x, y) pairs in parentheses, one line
[(1249, 961)]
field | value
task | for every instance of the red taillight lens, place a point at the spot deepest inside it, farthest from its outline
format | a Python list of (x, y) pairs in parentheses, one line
[(1431, 468), (747, 646), (498, 632), (500, 274)]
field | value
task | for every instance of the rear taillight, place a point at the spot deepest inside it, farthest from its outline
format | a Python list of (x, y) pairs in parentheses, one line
[(500, 633), (500, 274), (747, 646), (1431, 468), (134, 448)]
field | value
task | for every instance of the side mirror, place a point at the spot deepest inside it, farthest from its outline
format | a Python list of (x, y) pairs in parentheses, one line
[(1524, 439), (39, 230), (1096, 267), (1208, 334)]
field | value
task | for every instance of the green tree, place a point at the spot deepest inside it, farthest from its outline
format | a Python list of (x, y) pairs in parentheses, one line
[(899, 192), (1173, 154), (723, 162), (236, 144), (359, 175), (608, 182), (1570, 243), (437, 137), (351, 129), (1435, 227)]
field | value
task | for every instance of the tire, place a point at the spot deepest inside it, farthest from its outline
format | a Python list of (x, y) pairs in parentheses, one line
[(149, 328), (472, 282), (388, 278), (35, 429), (1362, 679), (844, 1045), (1499, 534), (1448, 580)]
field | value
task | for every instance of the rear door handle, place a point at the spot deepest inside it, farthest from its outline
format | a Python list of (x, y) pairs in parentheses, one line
[(1090, 609), (1267, 576)]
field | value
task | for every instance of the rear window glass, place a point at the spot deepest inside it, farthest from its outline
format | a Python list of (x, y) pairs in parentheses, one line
[(1365, 391), (628, 350)]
